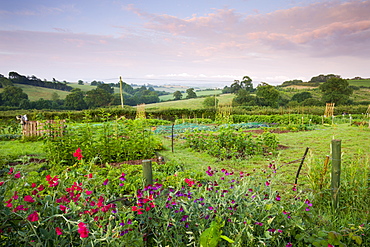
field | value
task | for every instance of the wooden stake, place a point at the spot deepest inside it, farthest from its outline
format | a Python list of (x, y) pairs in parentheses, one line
[(147, 172), (172, 135), (300, 166), (335, 171)]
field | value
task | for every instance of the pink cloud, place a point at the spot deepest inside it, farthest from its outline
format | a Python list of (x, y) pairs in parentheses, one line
[(305, 28)]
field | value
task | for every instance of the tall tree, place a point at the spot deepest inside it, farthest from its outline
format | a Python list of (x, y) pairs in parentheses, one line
[(98, 97), (335, 90), (177, 95), (268, 94), (75, 100), (190, 93)]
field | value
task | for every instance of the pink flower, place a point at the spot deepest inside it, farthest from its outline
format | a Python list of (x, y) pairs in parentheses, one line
[(78, 154), (289, 244), (106, 181), (28, 198), (33, 217), (58, 231), (267, 183), (88, 192), (82, 230), (18, 175), (1, 183)]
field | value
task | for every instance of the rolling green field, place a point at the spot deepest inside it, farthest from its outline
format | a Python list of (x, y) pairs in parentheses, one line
[(199, 94)]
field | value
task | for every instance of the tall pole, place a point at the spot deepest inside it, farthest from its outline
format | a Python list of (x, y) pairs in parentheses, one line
[(120, 90)]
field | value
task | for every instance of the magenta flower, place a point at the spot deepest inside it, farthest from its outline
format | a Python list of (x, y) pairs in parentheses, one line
[(17, 175), (289, 245), (28, 199), (106, 181), (33, 217), (82, 230), (58, 231)]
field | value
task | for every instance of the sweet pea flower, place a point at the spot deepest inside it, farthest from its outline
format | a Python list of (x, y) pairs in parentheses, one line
[(82, 230), (28, 198), (78, 154), (33, 217), (17, 175), (58, 231)]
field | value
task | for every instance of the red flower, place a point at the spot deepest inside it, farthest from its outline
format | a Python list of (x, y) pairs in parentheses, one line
[(82, 230), (78, 154), (1, 183), (189, 182), (28, 199), (18, 175), (52, 181), (11, 170), (136, 209), (63, 208), (58, 231), (33, 217), (88, 192)]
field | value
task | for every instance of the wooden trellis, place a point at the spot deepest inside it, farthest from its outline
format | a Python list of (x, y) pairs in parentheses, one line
[(40, 128), (329, 110), (140, 111), (223, 114)]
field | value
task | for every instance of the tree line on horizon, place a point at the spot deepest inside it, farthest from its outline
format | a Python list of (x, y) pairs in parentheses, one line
[(333, 88), (101, 96)]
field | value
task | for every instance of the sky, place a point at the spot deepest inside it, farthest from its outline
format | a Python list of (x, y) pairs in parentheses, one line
[(185, 42)]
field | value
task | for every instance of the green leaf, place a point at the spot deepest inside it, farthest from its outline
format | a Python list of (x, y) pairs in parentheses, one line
[(227, 239), (357, 239)]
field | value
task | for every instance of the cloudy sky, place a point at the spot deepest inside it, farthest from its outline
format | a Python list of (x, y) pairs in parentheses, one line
[(189, 42)]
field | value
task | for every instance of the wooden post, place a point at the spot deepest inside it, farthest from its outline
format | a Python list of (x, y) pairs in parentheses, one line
[(335, 171), (121, 90), (147, 172), (172, 136)]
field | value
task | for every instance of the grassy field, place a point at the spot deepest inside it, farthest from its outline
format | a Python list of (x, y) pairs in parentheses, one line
[(190, 103), (201, 93), (359, 83), (35, 93)]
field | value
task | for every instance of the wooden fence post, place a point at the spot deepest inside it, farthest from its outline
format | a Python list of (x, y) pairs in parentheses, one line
[(335, 171), (147, 172), (172, 135)]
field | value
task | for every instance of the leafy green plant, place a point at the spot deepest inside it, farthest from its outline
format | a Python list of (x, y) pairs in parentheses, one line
[(228, 143), (109, 141)]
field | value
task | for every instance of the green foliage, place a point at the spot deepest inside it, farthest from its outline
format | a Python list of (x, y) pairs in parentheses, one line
[(268, 94), (228, 143), (336, 90), (212, 235), (286, 119), (177, 95), (300, 97), (190, 93), (210, 101), (109, 141)]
